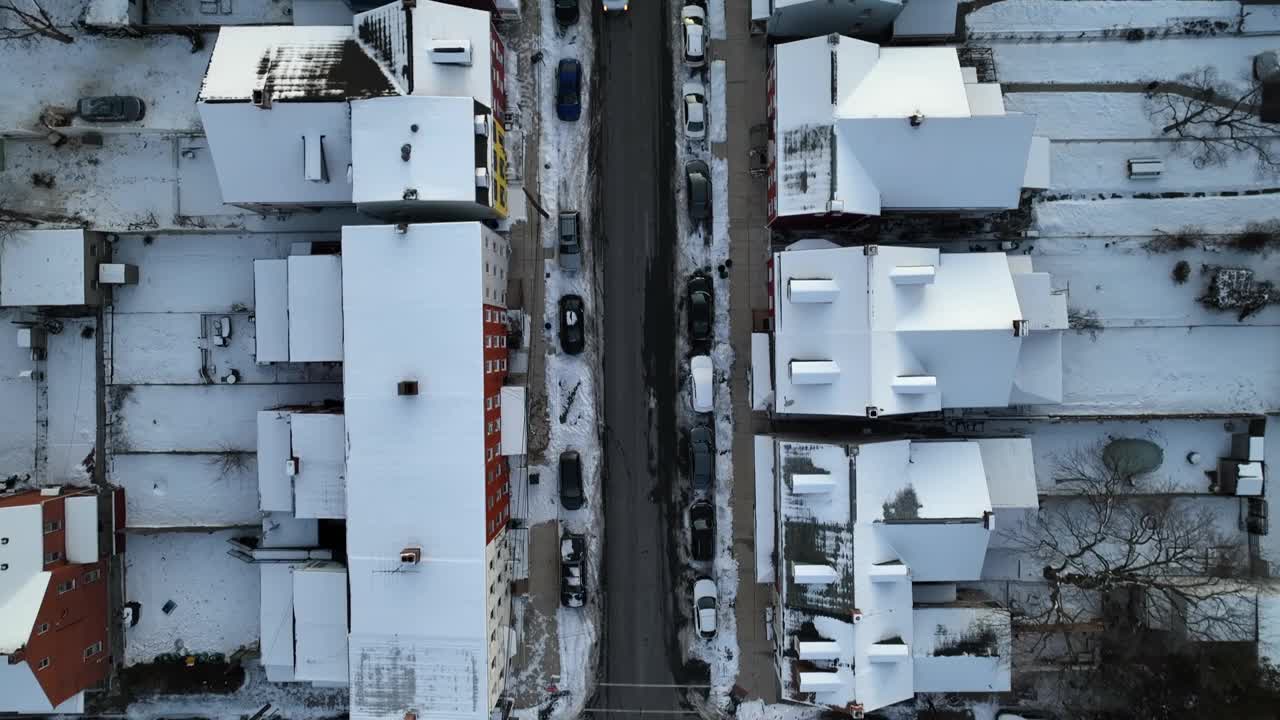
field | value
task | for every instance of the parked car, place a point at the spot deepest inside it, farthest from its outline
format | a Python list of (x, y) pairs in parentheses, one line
[(615, 6), (705, 600), (569, 90), (566, 12), (697, 179), (700, 385), (701, 308), (693, 20), (695, 110), (571, 495), (702, 531), (111, 108), (573, 553), (572, 336), (702, 459), (570, 245)]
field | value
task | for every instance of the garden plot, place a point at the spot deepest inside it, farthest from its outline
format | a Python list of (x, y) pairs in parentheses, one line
[(214, 595), (1126, 285), (1145, 217), (161, 69), (165, 490), (1054, 442), (1136, 371), (199, 418), (1119, 61)]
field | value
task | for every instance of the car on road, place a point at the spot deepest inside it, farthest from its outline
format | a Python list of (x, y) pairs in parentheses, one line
[(702, 459), (570, 243), (701, 308), (573, 553), (697, 181), (615, 6), (571, 494), (693, 20), (705, 600), (702, 531), (111, 108), (569, 90), (700, 385), (572, 335), (566, 12), (695, 110)]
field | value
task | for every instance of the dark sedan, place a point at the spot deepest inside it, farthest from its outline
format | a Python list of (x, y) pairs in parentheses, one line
[(571, 493), (572, 336), (702, 531), (111, 108), (701, 308), (702, 458), (697, 178), (569, 90)]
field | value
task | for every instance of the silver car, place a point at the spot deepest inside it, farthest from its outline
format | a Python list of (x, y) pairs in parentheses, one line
[(570, 245), (695, 110)]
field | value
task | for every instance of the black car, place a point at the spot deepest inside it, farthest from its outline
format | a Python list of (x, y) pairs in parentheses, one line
[(111, 108), (572, 336), (702, 531), (569, 90), (702, 458), (701, 308), (697, 178), (566, 12), (573, 586), (571, 495)]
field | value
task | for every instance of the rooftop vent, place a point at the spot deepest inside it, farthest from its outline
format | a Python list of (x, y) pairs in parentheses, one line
[(913, 274), (480, 124), (811, 484), (819, 682), (406, 150), (1021, 328), (915, 384), (313, 162), (406, 388), (814, 372), (482, 177), (816, 649), (803, 574), (411, 555), (888, 652), (812, 290), (916, 119), (451, 52)]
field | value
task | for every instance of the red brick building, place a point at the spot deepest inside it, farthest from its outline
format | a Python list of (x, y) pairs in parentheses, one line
[(54, 570)]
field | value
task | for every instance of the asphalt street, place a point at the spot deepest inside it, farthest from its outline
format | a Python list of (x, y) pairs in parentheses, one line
[(641, 659)]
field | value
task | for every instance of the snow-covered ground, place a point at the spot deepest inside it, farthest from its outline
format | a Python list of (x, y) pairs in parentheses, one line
[(295, 701), (703, 247), (1114, 61), (1054, 18), (1144, 217), (216, 595), (565, 183)]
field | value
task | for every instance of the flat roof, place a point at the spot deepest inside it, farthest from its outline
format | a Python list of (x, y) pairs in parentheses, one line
[(320, 619), (319, 443), (43, 267), (442, 154), (315, 308), (413, 303), (436, 21)]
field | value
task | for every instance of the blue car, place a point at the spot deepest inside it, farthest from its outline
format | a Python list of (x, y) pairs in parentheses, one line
[(569, 90)]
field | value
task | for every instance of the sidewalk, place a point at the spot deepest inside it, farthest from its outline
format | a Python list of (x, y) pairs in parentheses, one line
[(745, 61)]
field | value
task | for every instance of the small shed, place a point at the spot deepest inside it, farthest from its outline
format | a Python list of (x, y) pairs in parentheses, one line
[(320, 622), (50, 267), (298, 309)]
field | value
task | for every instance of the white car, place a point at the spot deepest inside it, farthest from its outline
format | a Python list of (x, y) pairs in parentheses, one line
[(615, 5), (695, 110), (705, 600), (701, 385), (693, 20)]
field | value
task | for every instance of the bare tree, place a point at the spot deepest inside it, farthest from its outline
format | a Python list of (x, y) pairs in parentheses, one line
[(34, 21), (1218, 119), (1113, 558)]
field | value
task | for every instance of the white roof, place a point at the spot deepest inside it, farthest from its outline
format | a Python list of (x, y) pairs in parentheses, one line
[(294, 62), (941, 488), (271, 310), (416, 468), (434, 21), (442, 160), (320, 443), (320, 619), (512, 419), (42, 267), (20, 692), (950, 337), (81, 518), (926, 18), (275, 447), (956, 157), (1011, 472), (261, 155), (761, 372), (276, 621), (22, 586), (315, 308)]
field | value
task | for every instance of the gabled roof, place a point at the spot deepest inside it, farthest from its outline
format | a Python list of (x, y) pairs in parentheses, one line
[(909, 330), (23, 584), (864, 129)]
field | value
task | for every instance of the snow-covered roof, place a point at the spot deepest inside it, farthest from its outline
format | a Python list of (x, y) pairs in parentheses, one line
[(291, 153), (905, 330), (319, 443), (926, 19), (80, 513), (290, 63), (298, 308), (863, 129), (441, 165), (512, 416), (20, 692), (919, 511), (44, 267), (413, 302), (275, 612), (275, 447), (320, 622), (22, 586)]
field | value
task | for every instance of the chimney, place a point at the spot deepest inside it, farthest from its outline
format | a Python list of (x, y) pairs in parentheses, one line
[(407, 387)]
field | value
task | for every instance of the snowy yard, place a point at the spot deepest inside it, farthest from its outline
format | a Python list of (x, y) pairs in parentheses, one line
[(706, 247)]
